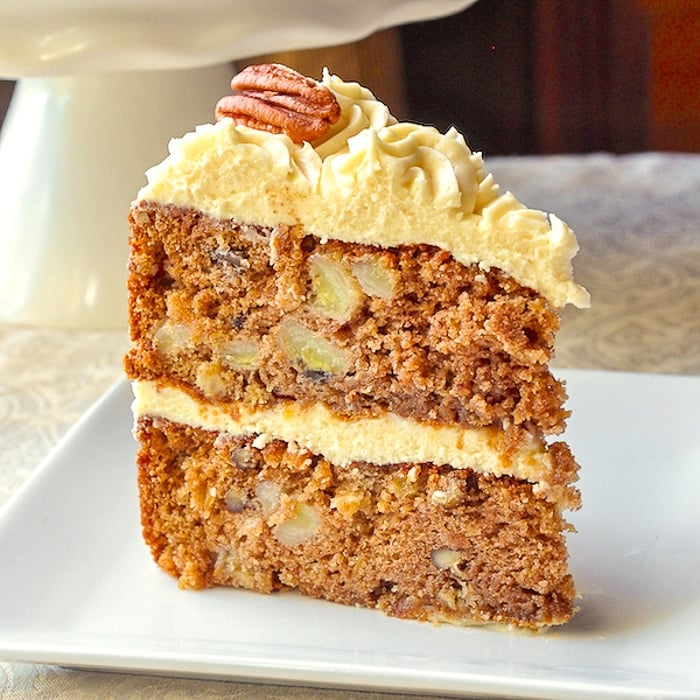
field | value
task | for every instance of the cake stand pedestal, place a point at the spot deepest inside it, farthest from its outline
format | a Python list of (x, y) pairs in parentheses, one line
[(82, 128), (73, 151)]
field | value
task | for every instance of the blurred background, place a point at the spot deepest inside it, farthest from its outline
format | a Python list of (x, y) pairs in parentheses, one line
[(535, 76)]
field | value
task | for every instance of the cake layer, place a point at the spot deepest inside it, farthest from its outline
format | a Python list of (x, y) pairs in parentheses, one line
[(374, 181), (254, 315), (384, 439), (414, 540)]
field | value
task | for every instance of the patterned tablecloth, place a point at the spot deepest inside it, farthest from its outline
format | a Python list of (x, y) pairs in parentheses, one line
[(637, 218)]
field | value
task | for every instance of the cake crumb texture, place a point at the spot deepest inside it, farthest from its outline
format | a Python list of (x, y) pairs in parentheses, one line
[(233, 312), (417, 541)]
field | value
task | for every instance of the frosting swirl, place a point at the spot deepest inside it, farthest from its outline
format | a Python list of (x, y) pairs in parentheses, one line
[(359, 110)]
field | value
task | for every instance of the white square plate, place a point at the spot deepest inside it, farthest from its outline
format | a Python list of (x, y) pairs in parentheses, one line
[(78, 588)]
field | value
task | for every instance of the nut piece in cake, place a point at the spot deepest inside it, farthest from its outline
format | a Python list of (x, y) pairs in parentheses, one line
[(300, 528), (277, 99)]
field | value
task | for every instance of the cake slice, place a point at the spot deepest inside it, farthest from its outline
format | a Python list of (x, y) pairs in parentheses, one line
[(341, 332)]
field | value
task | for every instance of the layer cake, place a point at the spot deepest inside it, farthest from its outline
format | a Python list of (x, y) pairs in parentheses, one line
[(341, 331)]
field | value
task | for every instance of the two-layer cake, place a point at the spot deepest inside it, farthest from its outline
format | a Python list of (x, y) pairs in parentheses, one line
[(341, 334)]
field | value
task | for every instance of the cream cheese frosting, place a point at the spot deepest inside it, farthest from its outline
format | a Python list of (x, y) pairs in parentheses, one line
[(384, 439), (370, 180)]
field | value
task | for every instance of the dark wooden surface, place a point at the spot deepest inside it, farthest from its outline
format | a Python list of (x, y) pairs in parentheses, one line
[(536, 76), (6, 89)]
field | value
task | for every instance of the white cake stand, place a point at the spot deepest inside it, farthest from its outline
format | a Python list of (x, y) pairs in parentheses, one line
[(102, 85)]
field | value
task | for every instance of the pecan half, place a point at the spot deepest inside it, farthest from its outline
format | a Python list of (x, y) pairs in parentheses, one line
[(275, 98)]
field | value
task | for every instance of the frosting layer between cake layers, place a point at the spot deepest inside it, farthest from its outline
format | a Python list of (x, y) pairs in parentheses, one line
[(371, 180), (385, 439)]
